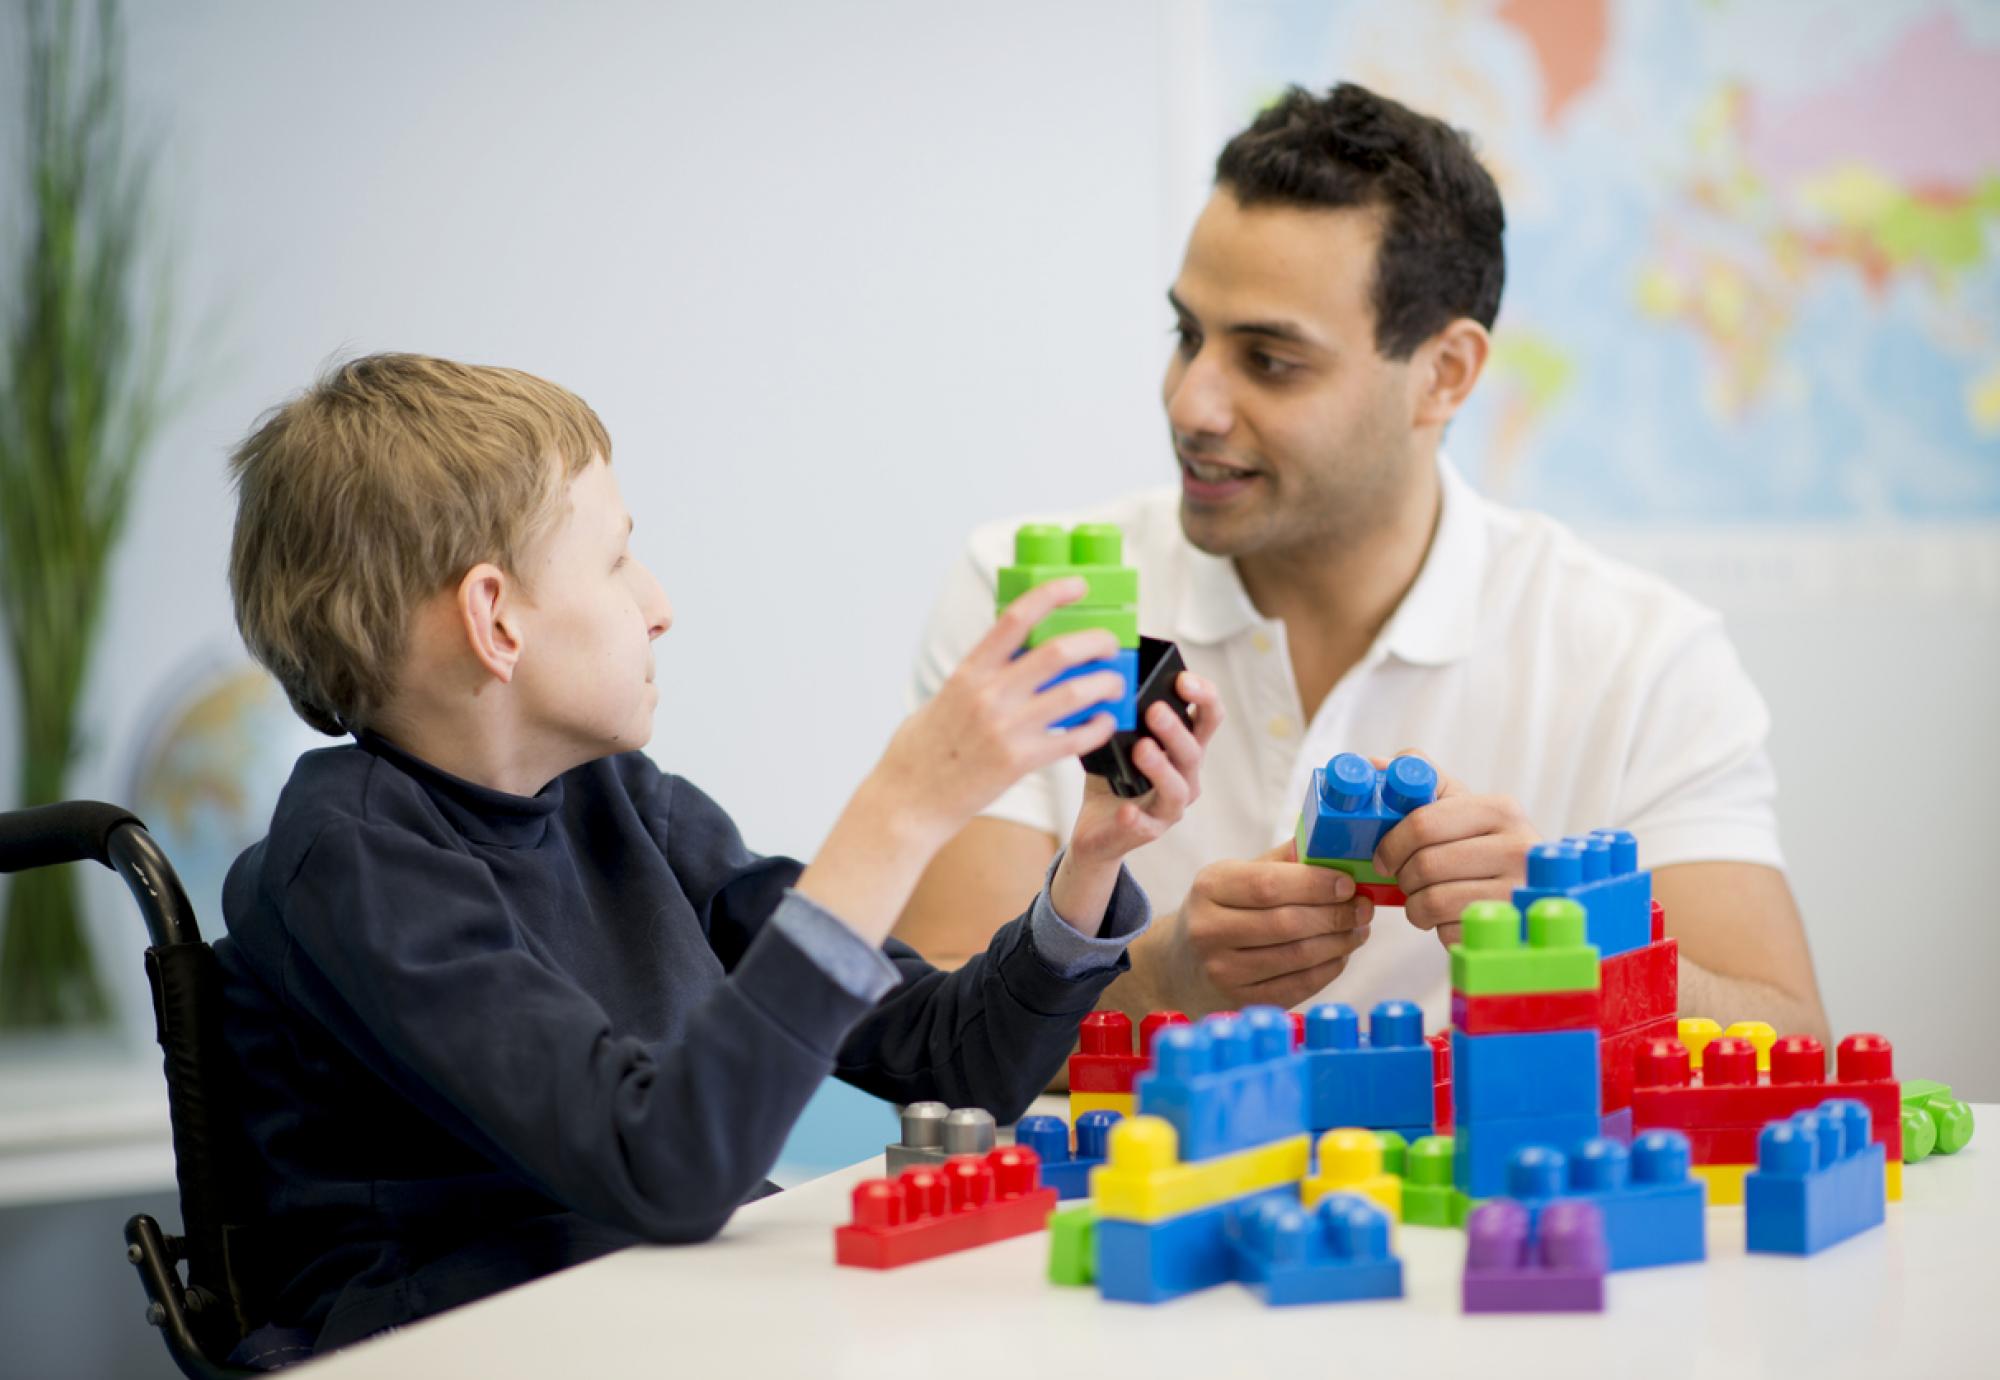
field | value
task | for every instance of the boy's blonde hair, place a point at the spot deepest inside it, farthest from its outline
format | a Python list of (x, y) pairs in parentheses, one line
[(376, 488)]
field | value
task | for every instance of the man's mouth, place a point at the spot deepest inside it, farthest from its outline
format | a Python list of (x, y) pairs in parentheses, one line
[(1204, 478)]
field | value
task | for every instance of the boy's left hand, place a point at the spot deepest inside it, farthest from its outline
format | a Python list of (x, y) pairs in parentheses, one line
[(1108, 827), (1458, 849)]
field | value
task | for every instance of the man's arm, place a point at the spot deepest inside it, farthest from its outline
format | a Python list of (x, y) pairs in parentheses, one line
[(1743, 946)]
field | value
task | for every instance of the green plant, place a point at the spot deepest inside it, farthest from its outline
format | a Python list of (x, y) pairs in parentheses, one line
[(81, 372)]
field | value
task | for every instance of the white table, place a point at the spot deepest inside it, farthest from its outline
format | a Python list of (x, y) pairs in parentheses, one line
[(1914, 1298)]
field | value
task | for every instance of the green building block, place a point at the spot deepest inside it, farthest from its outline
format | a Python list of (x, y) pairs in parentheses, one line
[(1933, 1120), (1092, 550), (1360, 870), (1430, 1199), (1491, 960), (1394, 1148), (1072, 1246)]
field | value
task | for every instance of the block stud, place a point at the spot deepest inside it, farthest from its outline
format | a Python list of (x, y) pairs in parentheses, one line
[(1396, 1025), (1598, 1165), (1536, 1171), (1663, 1063), (1489, 925), (1096, 543), (1093, 1133), (1555, 922), (1348, 783), (1866, 1059), (1333, 1026), (1554, 866), (1429, 1161), (1046, 1136), (1660, 1157), (1729, 1063), (1798, 1059), (1106, 1032), (1409, 782), (923, 1125)]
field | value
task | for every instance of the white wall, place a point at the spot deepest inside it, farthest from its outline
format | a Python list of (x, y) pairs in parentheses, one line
[(843, 280)]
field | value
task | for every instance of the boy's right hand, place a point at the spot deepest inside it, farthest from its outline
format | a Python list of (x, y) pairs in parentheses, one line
[(988, 726)]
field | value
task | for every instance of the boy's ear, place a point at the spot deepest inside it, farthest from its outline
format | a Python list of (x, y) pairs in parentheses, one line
[(488, 610)]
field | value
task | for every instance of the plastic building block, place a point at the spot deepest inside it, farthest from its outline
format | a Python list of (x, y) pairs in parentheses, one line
[(1381, 894), (1818, 1181), (1659, 922), (1640, 986), (1482, 1152), (1395, 1148), (1490, 958), (1082, 1103), (1430, 1199), (1350, 1161), (1548, 1262), (1105, 1060), (1340, 1251), (1152, 1262), (1696, 1032), (1525, 1012), (1094, 551), (1067, 1172), (1619, 1054), (1123, 707), (1073, 1246), (1893, 1181), (1724, 1182), (933, 1133), (1933, 1120), (1228, 1083), (1729, 1092), (1616, 1126), (1600, 871), (931, 1211), (1761, 1038), (1382, 1080), (1350, 805), (1505, 1077), (1440, 1044), (1144, 1180), (1653, 1206), (1160, 666)]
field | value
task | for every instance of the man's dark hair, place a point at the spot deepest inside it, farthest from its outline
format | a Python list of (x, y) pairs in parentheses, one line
[(1441, 256)]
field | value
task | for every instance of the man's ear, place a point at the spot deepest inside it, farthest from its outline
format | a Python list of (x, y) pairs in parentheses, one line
[(1445, 369), (489, 611)]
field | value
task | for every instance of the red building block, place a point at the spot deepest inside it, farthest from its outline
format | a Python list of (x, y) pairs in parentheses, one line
[(1105, 1061), (1659, 922), (1728, 1092), (1618, 1055), (1440, 1044), (1381, 893), (1525, 1012), (1639, 987), (965, 1202)]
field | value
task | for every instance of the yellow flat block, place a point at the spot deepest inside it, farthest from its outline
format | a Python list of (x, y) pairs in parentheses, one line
[(1144, 1180), (1125, 1104), (1892, 1180), (1725, 1182)]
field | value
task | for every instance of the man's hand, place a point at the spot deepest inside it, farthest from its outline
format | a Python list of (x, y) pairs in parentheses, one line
[(1458, 849), (1267, 930)]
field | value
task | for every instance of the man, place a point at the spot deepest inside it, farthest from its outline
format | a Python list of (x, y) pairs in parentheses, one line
[(1345, 590)]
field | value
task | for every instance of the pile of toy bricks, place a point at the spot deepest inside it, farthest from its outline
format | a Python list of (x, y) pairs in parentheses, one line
[(1213, 1178)]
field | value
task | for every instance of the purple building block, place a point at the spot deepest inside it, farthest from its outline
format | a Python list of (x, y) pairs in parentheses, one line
[(1555, 1267)]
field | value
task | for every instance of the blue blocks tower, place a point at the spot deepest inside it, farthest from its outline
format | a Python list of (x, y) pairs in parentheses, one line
[(1599, 870), (1227, 1084), (1818, 1181), (1382, 1082)]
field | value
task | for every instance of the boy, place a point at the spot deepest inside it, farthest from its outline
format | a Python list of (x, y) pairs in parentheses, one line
[(506, 995)]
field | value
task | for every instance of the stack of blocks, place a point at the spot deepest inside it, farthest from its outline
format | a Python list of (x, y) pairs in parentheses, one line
[(1203, 1185), (1106, 1067), (1350, 805), (1818, 1181), (1148, 666), (1723, 1106)]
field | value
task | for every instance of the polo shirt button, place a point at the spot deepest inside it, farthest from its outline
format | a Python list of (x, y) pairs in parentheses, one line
[(1261, 641), (1281, 727)]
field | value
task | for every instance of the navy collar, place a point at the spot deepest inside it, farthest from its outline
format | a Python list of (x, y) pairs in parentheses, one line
[(481, 813)]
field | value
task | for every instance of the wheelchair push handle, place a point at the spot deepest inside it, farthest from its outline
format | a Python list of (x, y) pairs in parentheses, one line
[(72, 831)]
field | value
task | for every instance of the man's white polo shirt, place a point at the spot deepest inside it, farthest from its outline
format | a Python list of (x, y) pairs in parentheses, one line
[(1522, 662)]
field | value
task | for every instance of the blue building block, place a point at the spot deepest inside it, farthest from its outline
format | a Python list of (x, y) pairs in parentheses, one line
[(1508, 1077), (1350, 805), (1227, 1084), (1124, 709), (1066, 1172), (1818, 1181), (1381, 1082), (1334, 1252), (1600, 871), (1152, 1262), (1482, 1151), (1654, 1210)]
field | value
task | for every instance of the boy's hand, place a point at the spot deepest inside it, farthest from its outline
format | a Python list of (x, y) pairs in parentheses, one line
[(1107, 827), (988, 726), (1458, 849)]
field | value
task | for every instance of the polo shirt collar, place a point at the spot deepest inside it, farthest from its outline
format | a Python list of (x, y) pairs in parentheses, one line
[(1435, 623)]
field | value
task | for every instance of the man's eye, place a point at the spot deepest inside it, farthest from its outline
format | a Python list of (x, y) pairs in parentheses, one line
[(1186, 339), (1270, 366)]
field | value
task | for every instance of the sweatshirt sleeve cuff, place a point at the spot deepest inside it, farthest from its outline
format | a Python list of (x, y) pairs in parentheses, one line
[(1071, 954), (858, 968)]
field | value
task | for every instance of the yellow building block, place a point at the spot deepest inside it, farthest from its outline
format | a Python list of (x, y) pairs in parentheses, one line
[(1143, 1179), (1725, 1182), (1125, 1104), (1350, 1161), (1892, 1180), (1695, 1033), (1761, 1038)]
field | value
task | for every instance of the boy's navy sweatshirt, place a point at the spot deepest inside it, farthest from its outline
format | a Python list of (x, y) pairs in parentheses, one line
[(485, 1036)]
